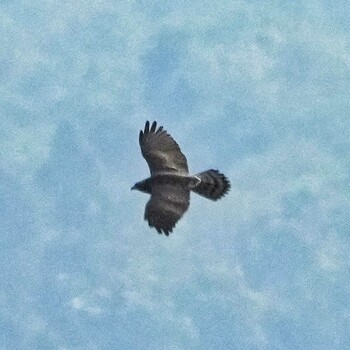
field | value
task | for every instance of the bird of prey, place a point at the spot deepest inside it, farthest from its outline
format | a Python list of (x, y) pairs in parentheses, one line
[(170, 183)]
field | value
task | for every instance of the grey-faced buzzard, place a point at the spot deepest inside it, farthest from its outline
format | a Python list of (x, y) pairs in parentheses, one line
[(170, 183)]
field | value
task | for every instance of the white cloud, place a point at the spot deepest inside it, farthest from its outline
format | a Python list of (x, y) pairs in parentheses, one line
[(330, 254), (79, 304), (24, 150), (56, 67)]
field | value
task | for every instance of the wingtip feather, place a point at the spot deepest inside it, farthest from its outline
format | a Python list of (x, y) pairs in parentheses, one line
[(147, 127), (154, 126)]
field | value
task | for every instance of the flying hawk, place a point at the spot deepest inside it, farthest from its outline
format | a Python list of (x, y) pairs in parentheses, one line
[(170, 183)]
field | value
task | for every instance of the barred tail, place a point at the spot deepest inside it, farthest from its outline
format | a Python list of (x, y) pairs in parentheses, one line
[(213, 185)]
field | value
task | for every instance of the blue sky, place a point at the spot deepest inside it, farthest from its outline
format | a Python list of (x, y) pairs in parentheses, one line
[(259, 90)]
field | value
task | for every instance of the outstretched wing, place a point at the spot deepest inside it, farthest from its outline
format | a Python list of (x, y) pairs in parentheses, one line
[(167, 205), (161, 151)]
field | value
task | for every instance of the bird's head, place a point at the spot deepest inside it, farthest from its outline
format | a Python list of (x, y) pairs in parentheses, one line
[(142, 186)]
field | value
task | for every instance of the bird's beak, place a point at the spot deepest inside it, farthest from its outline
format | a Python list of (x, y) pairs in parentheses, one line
[(133, 187)]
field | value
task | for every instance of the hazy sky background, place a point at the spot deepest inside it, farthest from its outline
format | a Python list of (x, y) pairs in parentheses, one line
[(257, 89)]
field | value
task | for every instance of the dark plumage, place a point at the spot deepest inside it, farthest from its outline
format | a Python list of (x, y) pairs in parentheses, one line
[(170, 183)]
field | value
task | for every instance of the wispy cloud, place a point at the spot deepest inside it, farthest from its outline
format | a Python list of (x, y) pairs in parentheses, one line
[(259, 91)]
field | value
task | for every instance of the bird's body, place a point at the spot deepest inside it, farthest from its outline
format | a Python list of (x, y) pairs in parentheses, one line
[(170, 183), (167, 178)]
